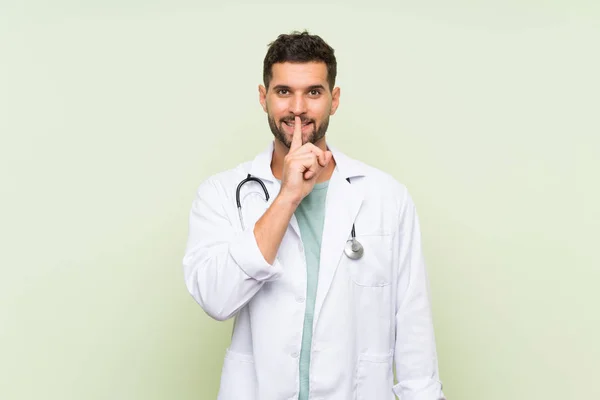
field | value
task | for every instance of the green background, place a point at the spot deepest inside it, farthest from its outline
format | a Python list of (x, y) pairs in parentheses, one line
[(113, 112)]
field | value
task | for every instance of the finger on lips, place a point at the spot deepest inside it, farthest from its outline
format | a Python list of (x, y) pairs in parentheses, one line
[(312, 158), (297, 137)]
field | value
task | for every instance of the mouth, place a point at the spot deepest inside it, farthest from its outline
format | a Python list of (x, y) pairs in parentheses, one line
[(289, 127), (293, 124)]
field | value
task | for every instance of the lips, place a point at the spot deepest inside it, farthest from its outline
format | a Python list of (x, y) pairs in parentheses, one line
[(293, 124)]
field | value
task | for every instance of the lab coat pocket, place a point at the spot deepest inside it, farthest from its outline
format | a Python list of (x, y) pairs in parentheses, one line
[(374, 268), (374, 378), (238, 378)]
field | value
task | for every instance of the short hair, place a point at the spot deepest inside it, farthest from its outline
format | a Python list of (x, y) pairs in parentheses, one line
[(299, 47)]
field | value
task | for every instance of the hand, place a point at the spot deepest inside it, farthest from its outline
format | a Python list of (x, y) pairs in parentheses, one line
[(302, 166)]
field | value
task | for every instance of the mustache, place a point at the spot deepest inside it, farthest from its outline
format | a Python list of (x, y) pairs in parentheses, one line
[(292, 119)]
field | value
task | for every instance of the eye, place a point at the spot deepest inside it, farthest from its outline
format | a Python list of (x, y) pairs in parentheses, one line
[(315, 92), (283, 92)]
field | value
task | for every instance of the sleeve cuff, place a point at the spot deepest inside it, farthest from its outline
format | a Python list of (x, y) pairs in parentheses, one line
[(431, 392), (247, 255)]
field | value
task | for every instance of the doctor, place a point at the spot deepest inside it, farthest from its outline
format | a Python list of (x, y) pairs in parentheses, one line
[(310, 321)]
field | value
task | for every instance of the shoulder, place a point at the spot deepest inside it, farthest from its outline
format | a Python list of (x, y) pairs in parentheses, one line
[(380, 184), (384, 181), (386, 200)]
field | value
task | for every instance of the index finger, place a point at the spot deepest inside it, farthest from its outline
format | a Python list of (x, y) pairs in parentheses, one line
[(297, 137)]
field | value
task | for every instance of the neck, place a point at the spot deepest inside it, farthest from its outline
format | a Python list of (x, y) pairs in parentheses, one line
[(280, 151)]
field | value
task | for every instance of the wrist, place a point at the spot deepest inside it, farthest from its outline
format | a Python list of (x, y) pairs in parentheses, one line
[(288, 201)]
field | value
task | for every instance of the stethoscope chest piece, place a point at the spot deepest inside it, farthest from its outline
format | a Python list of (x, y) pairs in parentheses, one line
[(353, 249)]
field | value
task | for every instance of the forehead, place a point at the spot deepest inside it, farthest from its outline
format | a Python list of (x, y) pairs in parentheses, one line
[(299, 74)]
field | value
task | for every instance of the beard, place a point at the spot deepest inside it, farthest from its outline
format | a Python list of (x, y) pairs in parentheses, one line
[(317, 133)]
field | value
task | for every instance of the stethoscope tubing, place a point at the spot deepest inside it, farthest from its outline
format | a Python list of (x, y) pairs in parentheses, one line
[(353, 249)]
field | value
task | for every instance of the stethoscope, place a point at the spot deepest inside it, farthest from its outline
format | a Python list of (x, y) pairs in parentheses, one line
[(353, 249)]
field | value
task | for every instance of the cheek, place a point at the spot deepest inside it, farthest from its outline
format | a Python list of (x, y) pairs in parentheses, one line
[(277, 108), (320, 112)]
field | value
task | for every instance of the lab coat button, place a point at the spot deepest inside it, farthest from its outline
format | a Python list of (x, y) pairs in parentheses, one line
[(295, 354), (300, 299)]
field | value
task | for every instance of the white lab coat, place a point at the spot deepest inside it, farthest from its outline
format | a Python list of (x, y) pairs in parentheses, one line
[(370, 314)]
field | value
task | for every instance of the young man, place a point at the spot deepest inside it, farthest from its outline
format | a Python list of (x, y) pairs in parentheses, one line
[(317, 256)]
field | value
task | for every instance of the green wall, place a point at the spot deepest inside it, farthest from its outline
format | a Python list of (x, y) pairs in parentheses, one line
[(112, 113)]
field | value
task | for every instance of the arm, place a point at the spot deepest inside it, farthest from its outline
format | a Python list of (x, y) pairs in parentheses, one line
[(223, 269), (415, 355), (271, 227), (302, 166)]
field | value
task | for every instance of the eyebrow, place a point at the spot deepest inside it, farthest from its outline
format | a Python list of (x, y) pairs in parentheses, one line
[(285, 87)]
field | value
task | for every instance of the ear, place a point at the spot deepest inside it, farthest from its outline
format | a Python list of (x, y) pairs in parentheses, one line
[(262, 97), (335, 100)]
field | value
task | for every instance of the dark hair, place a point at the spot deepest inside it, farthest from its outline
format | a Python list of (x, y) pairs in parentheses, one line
[(299, 47)]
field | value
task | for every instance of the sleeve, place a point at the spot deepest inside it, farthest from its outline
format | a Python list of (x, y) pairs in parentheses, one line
[(415, 355), (223, 267)]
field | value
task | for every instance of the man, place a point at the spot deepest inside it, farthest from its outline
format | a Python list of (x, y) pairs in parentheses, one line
[(322, 267)]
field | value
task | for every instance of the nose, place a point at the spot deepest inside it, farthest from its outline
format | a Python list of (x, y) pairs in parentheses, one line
[(298, 104)]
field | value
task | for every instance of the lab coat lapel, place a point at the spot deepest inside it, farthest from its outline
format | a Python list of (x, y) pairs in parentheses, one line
[(342, 205)]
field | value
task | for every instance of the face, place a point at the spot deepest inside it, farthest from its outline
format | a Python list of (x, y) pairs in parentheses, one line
[(299, 89)]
